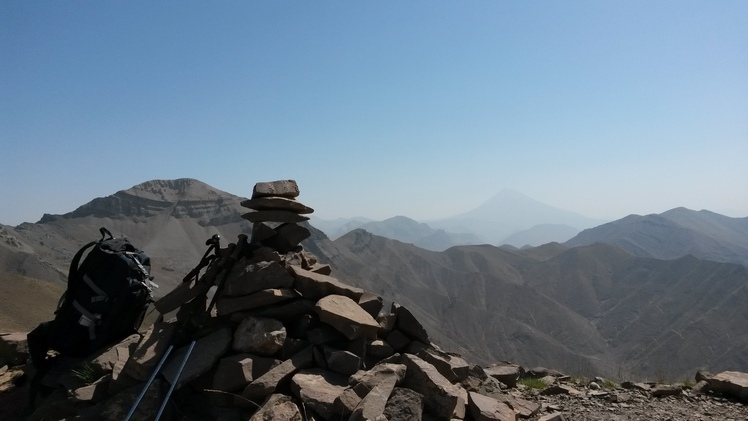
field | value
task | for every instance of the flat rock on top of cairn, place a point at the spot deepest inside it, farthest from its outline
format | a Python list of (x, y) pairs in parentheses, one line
[(276, 203), (283, 188), (274, 216)]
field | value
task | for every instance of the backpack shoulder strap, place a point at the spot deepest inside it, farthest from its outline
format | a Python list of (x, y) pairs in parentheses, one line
[(75, 264)]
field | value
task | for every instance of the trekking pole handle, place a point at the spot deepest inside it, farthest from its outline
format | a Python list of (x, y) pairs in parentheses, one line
[(240, 243)]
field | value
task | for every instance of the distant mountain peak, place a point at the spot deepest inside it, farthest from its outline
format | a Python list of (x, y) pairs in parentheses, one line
[(673, 234), (507, 195), (509, 212), (182, 197), (174, 190)]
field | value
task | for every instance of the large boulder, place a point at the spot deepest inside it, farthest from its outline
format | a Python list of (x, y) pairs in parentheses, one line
[(732, 383), (346, 316), (259, 335), (442, 398), (318, 390)]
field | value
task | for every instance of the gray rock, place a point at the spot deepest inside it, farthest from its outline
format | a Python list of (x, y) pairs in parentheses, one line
[(205, 353), (228, 305), (483, 408), (372, 406), (322, 269), (539, 372), (149, 351), (480, 382), (285, 312), (404, 405), (560, 389), (105, 360), (237, 371), (318, 390), (448, 365), (364, 381), (324, 334), (703, 375), (347, 317), (666, 390), (14, 348), (619, 397), (441, 398), (260, 336), (278, 407), (556, 416), (386, 322), (292, 347), (282, 188), (636, 386), (276, 203), (261, 232), (302, 258), (95, 392), (522, 407), (274, 216), (265, 385), (732, 383), (398, 341), (407, 323), (314, 286), (701, 387), (506, 373), (257, 277), (118, 406), (288, 237), (341, 362), (347, 402), (372, 303), (379, 349)]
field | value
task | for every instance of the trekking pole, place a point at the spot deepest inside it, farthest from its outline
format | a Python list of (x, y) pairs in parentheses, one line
[(214, 245), (148, 383), (236, 253)]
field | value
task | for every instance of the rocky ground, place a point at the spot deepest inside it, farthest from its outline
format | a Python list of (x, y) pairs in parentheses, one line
[(587, 401), (626, 404)]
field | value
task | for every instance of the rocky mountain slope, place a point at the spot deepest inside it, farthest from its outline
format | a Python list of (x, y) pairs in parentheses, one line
[(288, 341), (595, 309), (170, 219), (673, 234), (407, 230)]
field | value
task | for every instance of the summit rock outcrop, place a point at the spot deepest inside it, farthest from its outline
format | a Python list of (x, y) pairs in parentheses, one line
[(268, 332)]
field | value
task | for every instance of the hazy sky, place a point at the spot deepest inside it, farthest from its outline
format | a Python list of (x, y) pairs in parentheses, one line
[(378, 108)]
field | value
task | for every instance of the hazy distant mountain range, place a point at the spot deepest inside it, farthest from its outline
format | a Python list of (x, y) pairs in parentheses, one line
[(643, 295), (507, 218), (675, 233)]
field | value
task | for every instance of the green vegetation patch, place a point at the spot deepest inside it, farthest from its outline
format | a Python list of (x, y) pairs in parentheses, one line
[(533, 383)]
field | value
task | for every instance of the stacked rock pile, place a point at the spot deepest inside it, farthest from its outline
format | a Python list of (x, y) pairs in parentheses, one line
[(286, 341)]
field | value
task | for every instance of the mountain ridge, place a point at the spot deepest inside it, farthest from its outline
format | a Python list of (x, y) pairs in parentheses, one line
[(675, 233), (575, 308), (508, 217)]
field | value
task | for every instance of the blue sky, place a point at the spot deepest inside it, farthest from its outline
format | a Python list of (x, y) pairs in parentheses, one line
[(380, 108)]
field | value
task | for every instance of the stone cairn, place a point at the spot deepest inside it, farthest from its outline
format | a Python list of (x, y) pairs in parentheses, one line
[(286, 341)]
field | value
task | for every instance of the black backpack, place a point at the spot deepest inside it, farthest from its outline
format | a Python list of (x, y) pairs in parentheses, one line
[(106, 300)]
